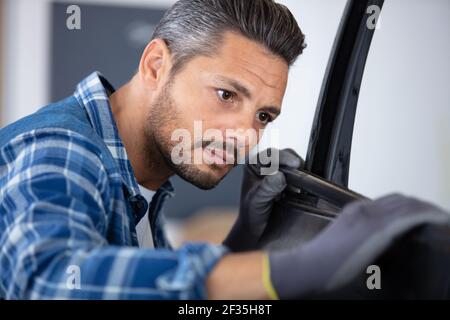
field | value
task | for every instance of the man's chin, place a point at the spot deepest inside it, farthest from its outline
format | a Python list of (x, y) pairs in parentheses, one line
[(204, 176)]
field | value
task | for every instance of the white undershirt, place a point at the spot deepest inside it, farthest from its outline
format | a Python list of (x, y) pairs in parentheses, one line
[(143, 230)]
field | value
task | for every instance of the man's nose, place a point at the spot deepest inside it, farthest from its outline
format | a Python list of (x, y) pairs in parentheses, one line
[(243, 134)]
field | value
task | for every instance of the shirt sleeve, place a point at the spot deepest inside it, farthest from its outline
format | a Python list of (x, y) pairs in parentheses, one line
[(53, 218)]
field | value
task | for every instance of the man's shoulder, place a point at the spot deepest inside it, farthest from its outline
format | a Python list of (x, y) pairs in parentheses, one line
[(65, 114), (59, 127)]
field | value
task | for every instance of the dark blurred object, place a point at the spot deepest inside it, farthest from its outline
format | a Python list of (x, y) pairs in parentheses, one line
[(414, 266), (111, 40), (417, 266)]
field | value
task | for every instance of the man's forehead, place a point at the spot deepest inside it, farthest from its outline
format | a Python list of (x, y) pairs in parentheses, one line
[(252, 58)]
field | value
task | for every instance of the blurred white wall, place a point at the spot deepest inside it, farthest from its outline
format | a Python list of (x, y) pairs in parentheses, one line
[(25, 65), (401, 140)]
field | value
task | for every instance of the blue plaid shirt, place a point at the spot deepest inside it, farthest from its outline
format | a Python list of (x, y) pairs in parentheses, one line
[(67, 220)]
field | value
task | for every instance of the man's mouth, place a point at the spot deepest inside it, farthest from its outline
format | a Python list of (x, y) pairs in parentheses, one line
[(218, 156), (215, 153)]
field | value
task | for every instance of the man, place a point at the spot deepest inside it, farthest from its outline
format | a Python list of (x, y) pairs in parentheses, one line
[(69, 174)]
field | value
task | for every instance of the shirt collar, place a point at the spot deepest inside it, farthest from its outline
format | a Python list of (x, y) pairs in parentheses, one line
[(93, 94)]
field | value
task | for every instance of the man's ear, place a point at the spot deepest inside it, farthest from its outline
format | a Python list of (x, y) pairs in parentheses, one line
[(155, 63)]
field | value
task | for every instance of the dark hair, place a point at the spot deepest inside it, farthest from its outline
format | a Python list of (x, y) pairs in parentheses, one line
[(196, 27)]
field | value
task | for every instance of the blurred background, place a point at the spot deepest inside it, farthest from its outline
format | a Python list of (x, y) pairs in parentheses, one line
[(401, 140)]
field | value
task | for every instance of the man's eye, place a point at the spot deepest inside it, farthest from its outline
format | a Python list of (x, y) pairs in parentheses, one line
[(264, 117), (225, 95)]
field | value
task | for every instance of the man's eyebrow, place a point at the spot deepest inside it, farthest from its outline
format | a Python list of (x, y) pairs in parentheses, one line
[(242, 89), (236, 86), (271, 109)]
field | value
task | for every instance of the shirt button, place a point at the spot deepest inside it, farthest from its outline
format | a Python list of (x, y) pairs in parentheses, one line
[(139, 205)]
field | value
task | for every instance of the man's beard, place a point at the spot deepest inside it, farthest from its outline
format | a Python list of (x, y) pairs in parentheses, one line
[(163, 120)]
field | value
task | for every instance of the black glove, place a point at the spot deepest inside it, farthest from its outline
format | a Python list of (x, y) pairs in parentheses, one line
[(362, 231), (259, 190)]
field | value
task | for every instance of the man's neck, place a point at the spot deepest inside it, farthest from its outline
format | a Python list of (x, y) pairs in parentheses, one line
[(130, 115)]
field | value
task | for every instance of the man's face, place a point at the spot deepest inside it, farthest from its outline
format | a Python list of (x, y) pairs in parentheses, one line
[(228, 98)]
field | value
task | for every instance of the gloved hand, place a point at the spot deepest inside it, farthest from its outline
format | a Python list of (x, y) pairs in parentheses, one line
[(362, 231), (258, 193)]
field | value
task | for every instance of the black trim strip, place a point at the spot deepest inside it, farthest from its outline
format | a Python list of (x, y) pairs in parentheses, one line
[(331, 135)]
